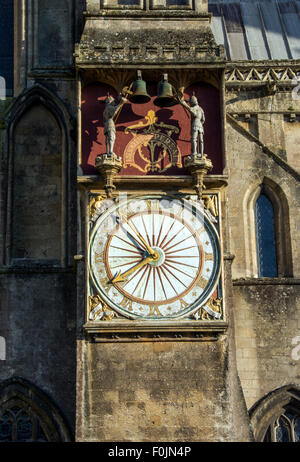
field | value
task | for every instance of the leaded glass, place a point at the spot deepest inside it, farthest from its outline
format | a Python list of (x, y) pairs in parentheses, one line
[(24, 428), (18, 425), (282, 432), (265, 237), (285, 429), (5, 428)]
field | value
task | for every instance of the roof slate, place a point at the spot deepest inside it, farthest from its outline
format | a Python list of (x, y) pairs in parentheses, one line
[(257, 30)]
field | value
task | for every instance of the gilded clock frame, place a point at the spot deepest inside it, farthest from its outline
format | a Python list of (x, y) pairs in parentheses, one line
[(112, 326), (209, 288)]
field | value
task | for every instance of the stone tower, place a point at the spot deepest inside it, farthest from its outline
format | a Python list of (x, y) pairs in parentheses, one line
[(149, 288)]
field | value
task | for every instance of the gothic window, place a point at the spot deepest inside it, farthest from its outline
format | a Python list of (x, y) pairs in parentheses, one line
[(36, 157), (285, 429), (27, 414), (265, 237), (276, 417), (33, 238), (19, 425)]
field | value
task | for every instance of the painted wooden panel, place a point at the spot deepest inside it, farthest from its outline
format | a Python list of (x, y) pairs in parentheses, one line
[(135, 148)]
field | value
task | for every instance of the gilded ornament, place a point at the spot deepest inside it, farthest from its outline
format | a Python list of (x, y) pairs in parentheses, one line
[(99, 311), (152, 135), (211, 310), (211, 204), (95, 204)]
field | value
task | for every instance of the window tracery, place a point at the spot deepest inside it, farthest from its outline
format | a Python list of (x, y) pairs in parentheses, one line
[(20, 425), (27, 414), (276, 417), (285, 428)]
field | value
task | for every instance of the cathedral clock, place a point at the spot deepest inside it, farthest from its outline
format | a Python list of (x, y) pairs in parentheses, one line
[(154, 257)]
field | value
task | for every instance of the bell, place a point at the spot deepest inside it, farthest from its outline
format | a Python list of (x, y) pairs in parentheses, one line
[(139, 91), (165, 96)]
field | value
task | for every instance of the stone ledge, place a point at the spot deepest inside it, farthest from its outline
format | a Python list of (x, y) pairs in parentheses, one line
[(266, 282), (154, 331), (183, 13), (35, 270), (212, 181)]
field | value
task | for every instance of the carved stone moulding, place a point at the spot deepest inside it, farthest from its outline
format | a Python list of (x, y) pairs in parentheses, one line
[(100, 55), (108, 166), (110, 40), (273, 78), (167, 182), (120, 78), (198, 166), (155, 331)]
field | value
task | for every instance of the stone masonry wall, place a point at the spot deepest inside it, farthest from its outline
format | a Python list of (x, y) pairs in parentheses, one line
[(162, 391), (267, 319), (267, 312)]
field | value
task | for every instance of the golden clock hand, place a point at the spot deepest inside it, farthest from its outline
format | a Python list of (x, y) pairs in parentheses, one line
[(149, 249), (121, 277)]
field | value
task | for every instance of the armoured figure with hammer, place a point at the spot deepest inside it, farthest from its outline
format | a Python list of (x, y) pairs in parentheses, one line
[(198, 119), (110, 111)]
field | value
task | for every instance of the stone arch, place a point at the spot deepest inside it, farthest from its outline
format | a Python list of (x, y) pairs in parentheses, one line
[(21, 403), (282, 226), (271, 406), (38, 178)]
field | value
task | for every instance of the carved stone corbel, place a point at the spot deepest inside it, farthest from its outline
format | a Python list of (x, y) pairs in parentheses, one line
[(198, 166), (108, 166)]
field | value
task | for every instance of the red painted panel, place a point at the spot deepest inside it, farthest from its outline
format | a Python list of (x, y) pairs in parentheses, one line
[(135, 147)]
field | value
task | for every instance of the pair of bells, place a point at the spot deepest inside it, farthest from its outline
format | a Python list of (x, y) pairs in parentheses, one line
[(165, 97)]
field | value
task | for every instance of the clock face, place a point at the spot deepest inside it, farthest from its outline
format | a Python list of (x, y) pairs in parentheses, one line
[(154, 257)]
